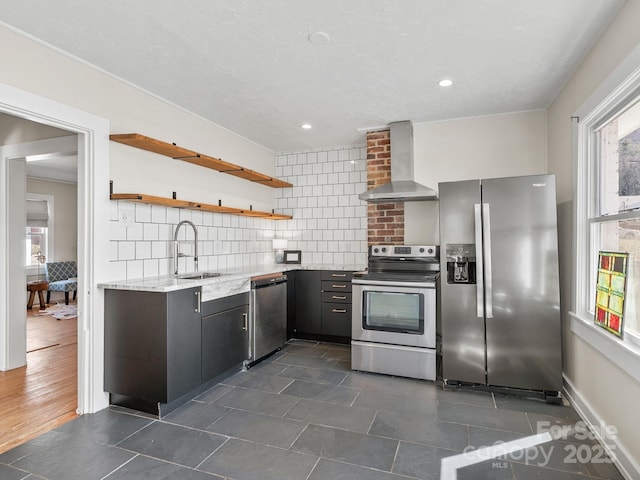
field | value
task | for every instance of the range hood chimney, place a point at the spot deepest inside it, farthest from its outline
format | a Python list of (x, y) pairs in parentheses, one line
[(402, 187)]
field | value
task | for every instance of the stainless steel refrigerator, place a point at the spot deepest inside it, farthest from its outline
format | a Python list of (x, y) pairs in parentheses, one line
[(500, 301)]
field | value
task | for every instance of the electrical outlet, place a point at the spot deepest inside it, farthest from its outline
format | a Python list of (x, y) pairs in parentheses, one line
[(126, 214)]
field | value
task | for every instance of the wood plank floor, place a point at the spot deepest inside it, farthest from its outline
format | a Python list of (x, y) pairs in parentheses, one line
[(42, 395)]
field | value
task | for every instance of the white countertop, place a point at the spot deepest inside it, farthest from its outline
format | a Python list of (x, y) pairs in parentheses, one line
[(232, 281)]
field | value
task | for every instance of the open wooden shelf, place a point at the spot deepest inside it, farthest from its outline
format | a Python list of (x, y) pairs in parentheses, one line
[(180, 153), (171, 202)]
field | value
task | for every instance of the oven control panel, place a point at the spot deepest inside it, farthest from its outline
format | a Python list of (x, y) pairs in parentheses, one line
[(404, 251)]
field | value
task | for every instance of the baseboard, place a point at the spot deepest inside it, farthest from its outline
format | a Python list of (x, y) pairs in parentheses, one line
[(627, 465)]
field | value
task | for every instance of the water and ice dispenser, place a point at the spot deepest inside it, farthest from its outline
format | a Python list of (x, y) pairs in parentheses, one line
[(461, 263)]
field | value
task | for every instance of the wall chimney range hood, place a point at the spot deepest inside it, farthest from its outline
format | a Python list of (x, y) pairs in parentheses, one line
[(402, 187)]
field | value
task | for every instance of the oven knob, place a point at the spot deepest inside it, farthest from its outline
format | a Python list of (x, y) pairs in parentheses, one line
[(375, 250), (384, 249), (430, 250), (421, 250)]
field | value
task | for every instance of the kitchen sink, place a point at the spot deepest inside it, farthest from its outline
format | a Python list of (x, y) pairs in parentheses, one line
[(198, 275)]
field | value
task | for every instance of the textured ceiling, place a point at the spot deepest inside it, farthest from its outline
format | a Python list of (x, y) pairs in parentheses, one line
[(248, 65)]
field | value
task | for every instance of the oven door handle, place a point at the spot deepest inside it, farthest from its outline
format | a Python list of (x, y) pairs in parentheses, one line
[(479, 262), (384, 283)]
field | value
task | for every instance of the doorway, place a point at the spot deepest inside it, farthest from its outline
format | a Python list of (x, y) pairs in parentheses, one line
[(42, 394), (93, 240)]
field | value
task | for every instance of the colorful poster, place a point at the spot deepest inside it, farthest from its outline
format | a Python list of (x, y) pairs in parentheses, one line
[(611, 290)]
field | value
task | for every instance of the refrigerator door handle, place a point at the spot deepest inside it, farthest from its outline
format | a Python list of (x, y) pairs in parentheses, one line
[(488, 289), (479, 262)]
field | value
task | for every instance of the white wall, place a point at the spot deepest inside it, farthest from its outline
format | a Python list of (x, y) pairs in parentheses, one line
[(15, 130), (610, 393), (505, 145), (65, 229), (130, 110)]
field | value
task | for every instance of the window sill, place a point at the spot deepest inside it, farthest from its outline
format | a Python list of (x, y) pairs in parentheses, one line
[(625, 355), (32, 270)]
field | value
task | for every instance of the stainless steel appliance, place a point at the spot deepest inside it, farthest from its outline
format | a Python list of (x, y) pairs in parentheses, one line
[(500, 305), (394, 312), (268, 325), (402, 187)]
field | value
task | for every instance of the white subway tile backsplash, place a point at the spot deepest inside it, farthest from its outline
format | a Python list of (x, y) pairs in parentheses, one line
[(135, 269), (126, 250), (196, 217), (143, 250), (117, 231), (143, 212), (158, 214), (329, 223), (151, 268), (150, 231), (135, 231), (173, 216), (113, 210), (160, 249)]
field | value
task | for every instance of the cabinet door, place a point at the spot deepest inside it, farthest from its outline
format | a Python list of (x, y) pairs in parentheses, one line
[(183, 342), (224, 341), (291, 303), (336, 319), (308, 302), (135, 332)]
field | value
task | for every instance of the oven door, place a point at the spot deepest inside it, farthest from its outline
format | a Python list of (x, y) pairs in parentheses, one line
[(397, 313)]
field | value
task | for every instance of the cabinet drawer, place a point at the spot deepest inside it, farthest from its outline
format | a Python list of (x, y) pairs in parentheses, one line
[(336, 319), (336, 286), (337, 275), (336, 297)]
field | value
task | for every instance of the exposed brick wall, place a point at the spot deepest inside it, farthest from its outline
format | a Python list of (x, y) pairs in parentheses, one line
[(385, 221)]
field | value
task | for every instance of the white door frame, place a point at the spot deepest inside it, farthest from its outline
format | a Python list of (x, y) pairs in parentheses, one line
[(93, 236)]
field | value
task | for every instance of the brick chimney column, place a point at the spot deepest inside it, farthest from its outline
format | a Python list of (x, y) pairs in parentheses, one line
[(385, 221)]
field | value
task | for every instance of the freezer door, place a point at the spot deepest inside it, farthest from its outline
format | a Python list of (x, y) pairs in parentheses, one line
[(520, 234), (462, 330)]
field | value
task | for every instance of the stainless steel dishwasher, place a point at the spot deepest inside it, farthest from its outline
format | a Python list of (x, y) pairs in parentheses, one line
[(268, 307)]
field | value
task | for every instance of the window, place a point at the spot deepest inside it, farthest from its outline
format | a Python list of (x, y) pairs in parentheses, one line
[(36, 245), (617, 193), (39, 237), (607, 206)]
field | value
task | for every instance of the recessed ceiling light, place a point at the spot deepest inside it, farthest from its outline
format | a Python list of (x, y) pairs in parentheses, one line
[(445, 82), (306, 126), (319, 38)]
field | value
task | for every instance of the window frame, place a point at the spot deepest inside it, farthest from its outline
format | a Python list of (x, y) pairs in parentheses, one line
[(620, 88), (32, 270)]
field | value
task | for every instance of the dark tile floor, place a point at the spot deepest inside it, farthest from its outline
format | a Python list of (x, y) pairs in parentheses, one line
[(304, 414)]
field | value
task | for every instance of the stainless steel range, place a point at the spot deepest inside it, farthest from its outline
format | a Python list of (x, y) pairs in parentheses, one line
[(394, 311)]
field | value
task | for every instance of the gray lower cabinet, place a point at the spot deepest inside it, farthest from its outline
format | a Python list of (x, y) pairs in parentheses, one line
[(225, 339), (308, 316), (320, 305), (152, 344), (162, 348), (336, 304)]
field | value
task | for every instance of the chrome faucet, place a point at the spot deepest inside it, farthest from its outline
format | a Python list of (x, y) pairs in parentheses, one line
[(176, 253)]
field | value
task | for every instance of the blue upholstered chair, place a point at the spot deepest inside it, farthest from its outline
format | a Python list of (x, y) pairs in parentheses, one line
[(62, 277)]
